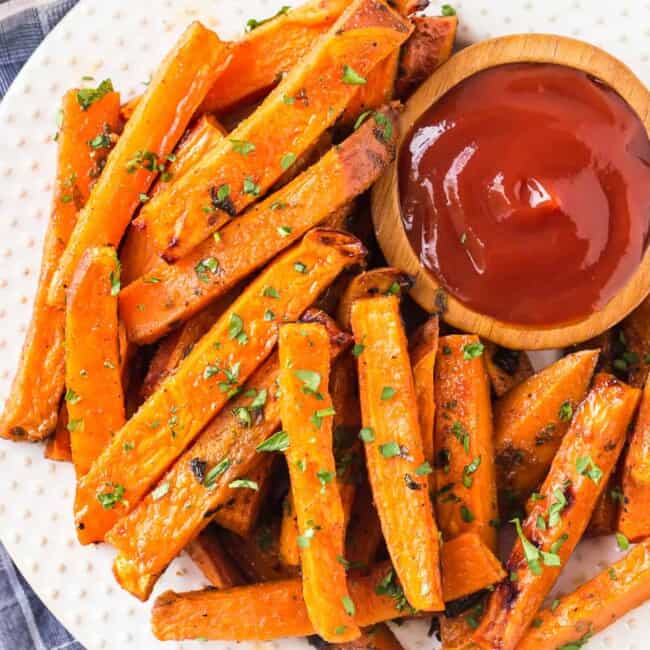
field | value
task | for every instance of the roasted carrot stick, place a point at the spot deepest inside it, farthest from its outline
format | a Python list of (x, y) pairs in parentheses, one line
[(215, 369), (178, 87), (94, 394), (594, 605), (138, 255), (306, 103), (559, 516), (468, 566), (276, 45), (31, 409), (168, 293), (634, 520), (258, 555), (531, 420), (377, 91), (465, 482), (429, 46), (58, 446), (147, 542), (383, 281), (506, 368), (423, 350), (241, 510), (208, 554), (276, 609), (394, 452), (347, 453), (306, 411)]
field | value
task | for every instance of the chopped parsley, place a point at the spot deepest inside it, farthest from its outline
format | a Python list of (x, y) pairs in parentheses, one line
[(287, 160), (205, 267), (472, 351), (389, 449), (367, 434), (109, 500), (251, 187), (244, 483), (352, 77), (566, 411), (211, 477), (284, 231), (253, 23), (71, 397), (447, 10), (242, 146), (277, 442), (387, 392), (586, 467), (88, 96)]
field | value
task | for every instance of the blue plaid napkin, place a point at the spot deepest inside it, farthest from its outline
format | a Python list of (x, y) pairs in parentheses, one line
[(25, 623)]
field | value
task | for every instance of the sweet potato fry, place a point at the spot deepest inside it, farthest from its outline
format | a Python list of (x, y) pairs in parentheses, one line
[(468, 566), (58, 446), (465, 482), (177, 345), (394, 452), (150, 307), (240, 512), (531, 420), (558, 518), (274, 610), (428, 47), (208, 554), (258, 555), (30, 412), (376, 637), (224, 451), (178, 87), (306, 103), (347, 453), (635, 331), (383, 281), (138, 254), (634, 520), (94, 395), (215, 369), (594, 605), (377, 91), (423, 351), (306, 411), (275, 46), (506, 368)]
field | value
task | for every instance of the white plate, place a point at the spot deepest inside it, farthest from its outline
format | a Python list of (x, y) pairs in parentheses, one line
[(124, 39)]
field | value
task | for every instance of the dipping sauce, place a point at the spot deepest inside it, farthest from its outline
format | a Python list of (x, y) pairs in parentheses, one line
[(525, 190)]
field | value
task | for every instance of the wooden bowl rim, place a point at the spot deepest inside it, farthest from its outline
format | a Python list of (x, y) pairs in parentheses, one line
[(386, 213)]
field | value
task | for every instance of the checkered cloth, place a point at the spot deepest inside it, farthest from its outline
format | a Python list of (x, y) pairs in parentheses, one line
[(25, 623)]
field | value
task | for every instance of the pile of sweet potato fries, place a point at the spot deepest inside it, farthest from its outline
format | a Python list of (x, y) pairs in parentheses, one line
[(211, 352)]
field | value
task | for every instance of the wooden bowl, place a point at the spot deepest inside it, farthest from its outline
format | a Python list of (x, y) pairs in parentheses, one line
[(527, 48)]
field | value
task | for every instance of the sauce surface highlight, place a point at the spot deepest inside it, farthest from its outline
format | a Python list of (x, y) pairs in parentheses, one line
[(525, 190)]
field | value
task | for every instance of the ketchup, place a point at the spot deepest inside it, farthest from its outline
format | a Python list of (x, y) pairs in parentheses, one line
[(525, 190)]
